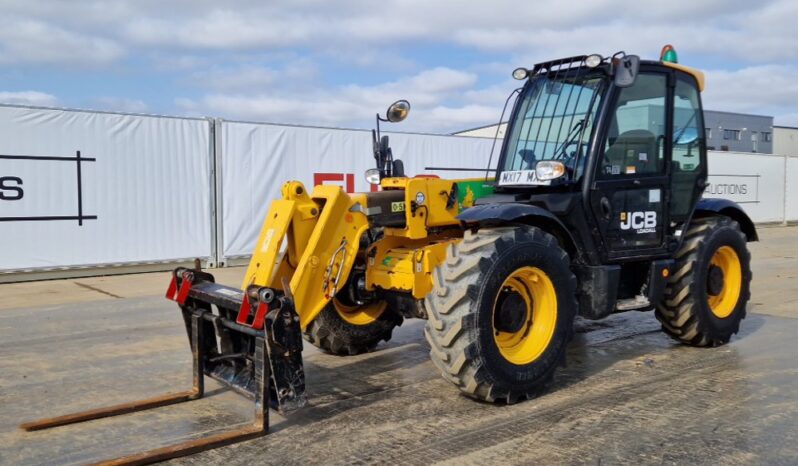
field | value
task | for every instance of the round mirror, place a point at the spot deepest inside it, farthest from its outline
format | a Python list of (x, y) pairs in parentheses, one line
[(398, 111), (687, 136)]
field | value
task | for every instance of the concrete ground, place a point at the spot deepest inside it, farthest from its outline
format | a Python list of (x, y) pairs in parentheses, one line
[(628, 395)]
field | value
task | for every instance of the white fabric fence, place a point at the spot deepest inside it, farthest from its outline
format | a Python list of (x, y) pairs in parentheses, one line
[(144, 193), (254, 160), (162, 189)]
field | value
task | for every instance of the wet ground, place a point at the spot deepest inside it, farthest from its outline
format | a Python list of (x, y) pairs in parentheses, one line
[(628, 395)]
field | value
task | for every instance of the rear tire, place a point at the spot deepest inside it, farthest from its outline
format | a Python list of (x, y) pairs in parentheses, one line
[(501, 358), (706, 296), (350, 333)]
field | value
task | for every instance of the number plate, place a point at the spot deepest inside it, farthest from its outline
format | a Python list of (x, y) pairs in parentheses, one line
[(521, 178)]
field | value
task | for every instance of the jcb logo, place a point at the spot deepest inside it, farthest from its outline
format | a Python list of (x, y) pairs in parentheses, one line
[(642, 222)]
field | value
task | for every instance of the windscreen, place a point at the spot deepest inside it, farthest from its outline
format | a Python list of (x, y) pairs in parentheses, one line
[(553, 122)]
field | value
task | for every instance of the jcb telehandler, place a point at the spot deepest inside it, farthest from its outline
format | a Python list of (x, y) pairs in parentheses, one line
[(595, 208)]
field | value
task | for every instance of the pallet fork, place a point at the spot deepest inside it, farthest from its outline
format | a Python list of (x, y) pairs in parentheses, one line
[(252, 344)]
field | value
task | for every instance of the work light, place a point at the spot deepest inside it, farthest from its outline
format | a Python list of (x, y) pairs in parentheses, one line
[(520, 73), (594, 60)]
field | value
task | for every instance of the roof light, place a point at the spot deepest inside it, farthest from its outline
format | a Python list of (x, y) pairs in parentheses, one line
[(594, 60), (668, 54), (520, 73)]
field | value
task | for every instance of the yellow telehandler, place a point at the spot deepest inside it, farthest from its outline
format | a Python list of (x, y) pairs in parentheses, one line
[(595, 206)]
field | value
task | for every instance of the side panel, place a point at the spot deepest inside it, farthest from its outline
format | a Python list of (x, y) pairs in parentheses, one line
[(754, 181), (791, 199)]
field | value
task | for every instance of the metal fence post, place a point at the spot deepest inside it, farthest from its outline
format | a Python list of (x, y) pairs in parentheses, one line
[(218, 189), (214, 256)]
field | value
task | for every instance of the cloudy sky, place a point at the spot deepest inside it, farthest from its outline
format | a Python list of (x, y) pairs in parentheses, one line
[(336, 63)]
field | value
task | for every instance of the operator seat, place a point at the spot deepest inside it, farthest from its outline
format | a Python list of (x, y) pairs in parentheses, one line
[(634, 151), (529, 158)]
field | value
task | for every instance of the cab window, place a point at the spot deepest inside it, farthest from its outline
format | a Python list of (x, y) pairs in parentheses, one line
[(635, 142), (688, 138)]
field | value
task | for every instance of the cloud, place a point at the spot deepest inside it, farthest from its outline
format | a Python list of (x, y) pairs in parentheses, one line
[(764, 89), (34, 98), (223, 29), (435, 95), (751, 31), (316, 62), (32, 41), (255, 78)]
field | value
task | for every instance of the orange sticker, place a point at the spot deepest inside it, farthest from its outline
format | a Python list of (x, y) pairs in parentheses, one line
[(630, 169)]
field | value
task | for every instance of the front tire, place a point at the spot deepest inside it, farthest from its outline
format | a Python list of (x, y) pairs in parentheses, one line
[(501, 313), (348, 330), (706, 296)]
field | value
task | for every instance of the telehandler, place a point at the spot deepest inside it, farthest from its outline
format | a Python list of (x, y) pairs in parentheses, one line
[(595, 208)]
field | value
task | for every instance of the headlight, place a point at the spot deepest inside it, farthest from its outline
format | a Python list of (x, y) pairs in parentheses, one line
[(373, 176), (593, 61), (549, 170)]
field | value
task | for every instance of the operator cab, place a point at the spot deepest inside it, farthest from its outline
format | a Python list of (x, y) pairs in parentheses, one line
[(620, 138)]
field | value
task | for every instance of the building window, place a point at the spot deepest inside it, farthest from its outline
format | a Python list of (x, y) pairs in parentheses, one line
[(708, 131), (731, 134), (766, 137)]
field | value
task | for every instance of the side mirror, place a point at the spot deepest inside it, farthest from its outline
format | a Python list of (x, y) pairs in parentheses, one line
[(398, 111), (626, 70), (687, 136)]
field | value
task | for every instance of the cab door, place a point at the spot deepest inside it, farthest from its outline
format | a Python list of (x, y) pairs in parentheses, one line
[(629, 196)]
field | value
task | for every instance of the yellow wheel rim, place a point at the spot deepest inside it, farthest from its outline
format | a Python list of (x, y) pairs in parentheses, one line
[(360, 315), (540, 299), (723, 303)]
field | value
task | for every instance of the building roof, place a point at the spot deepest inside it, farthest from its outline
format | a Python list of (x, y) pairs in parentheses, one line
[(738, 113)]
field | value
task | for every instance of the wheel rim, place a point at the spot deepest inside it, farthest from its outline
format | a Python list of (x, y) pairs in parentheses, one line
[(723, 297), (524, 343), (360, 315)]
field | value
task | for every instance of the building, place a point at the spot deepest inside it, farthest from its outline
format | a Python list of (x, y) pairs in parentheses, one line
[(739, 132), (725, 131), (785, 140)]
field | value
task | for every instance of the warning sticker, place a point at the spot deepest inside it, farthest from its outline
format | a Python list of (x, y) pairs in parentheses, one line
[(654, 196)]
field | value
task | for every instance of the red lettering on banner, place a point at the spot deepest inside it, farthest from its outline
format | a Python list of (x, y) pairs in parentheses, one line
[(320, 178), (345, 180)]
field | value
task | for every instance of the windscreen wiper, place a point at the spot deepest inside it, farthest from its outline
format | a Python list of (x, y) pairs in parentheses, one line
[(575, 132)]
